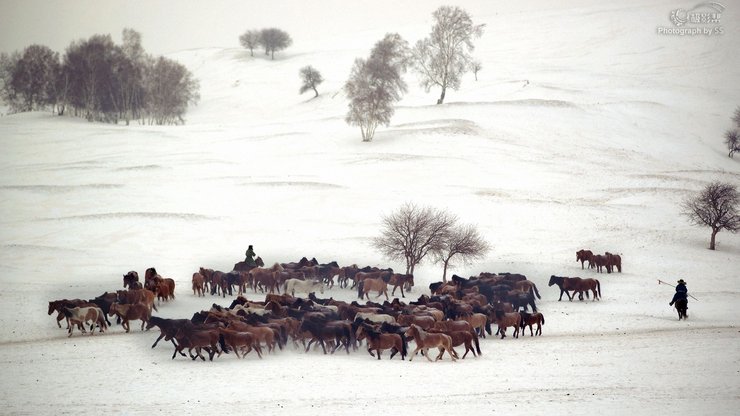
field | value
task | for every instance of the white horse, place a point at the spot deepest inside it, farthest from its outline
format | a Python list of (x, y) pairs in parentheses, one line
[(305, 286), (378, 318)]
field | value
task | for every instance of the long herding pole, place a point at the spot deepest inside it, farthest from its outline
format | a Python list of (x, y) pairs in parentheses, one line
[(666, 283)]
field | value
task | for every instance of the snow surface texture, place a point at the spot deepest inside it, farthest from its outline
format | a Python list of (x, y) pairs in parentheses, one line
[(586, 129)]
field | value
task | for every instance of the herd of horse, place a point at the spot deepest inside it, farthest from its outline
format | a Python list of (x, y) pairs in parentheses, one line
[(455, 313), (607, 261)]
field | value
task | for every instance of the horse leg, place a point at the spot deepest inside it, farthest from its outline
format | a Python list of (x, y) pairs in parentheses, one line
[(370, 350), (161, 335), (378, 350), (425, 351), (453, 354), (411, 357)]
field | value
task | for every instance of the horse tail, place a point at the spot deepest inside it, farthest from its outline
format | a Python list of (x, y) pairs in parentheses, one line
[(598, 288), (222, 342), (536, 292), (360, 286), (404, 343), (477, 344), (542, 319), (154, 306)]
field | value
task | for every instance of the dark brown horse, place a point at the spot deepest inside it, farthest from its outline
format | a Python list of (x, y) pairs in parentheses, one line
[(379, 341), (236, 340), (244, 267), (584, 256), (195, 337), (681, 308), (131, 280), (529, 319), (565, 284), (612, 261), (167, 327)]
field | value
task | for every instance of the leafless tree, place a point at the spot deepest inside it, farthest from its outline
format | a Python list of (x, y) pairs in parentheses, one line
[(250, 40), (716, 207), (412, 232), (444, 56), (310, 78), (476, 66), (375, 84), (464, 242)]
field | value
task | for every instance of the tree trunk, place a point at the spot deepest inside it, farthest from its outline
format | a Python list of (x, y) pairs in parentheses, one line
[(444, 271), (714, 234), (442, 97), (314, 90)]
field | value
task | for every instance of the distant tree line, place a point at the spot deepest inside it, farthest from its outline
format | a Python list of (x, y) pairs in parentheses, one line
[(100, 81)]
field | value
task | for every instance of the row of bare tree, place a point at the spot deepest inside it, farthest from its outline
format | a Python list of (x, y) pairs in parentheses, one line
[(99, 80)]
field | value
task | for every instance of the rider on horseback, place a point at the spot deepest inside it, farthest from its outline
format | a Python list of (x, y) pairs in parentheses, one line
[(681, 292), (250, 256)]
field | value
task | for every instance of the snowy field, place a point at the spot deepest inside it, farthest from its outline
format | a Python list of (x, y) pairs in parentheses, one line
[(585, 129)]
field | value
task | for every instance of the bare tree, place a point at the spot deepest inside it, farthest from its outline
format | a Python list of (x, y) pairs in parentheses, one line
[(444, 56), (476, 66), (716, 207), (412, 232), (274, 39), (732, 136), (464, 242), (250, 40), (310, 78), (375, 84)]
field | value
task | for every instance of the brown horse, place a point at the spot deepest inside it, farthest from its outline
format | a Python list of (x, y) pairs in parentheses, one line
[(584, 256), (479, 322), (245, 340), (424, 321), (505, 320), (265, 277), (370, 284), (599, 262), (425, 340), (167, 327), (613, 260), (194, 337), (529, 319), (565, 284), (59, 305), (379, 341), (467, 338), (589, 284), (198, 285), (130, 313), (401, 280), (131, 280)]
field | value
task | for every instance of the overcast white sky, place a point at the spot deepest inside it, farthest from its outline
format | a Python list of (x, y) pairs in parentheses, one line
[(167, 25)]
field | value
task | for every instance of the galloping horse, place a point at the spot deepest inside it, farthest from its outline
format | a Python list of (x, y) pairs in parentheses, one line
[(585, 256), (379, 341), (425, 340), (167, 327), (366, 285)]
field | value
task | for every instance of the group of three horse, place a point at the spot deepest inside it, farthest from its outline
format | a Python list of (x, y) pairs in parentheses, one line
[(607, 261)]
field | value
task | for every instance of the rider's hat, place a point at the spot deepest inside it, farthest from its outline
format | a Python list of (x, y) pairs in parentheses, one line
[(681, 282)]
